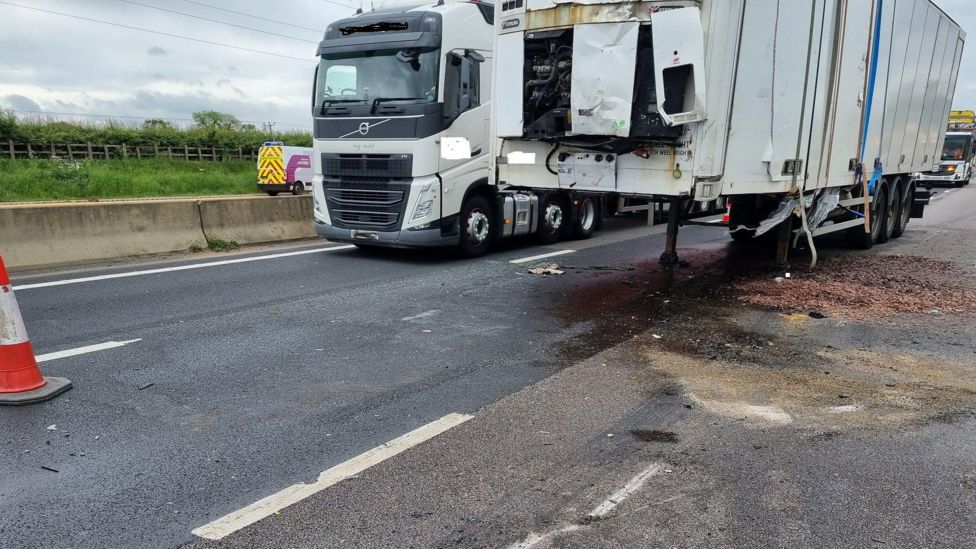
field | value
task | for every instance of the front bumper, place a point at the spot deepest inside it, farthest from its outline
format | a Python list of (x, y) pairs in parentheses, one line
[(426, 238)]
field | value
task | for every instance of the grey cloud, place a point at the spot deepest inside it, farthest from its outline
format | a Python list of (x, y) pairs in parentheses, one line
[(156, 50), (20, 103)]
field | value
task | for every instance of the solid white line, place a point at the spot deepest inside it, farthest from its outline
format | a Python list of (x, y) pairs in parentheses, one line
[(178, 268), (535, 539), (293, 494), (419, 316), (84, 350), (620, 495), (542, 256)]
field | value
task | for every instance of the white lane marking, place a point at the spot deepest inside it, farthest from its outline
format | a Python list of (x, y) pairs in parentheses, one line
[(542, 256), (535, 539), (633, 485), (84, 350), (293, 494), (599, 512), (419, 316), (178, 268)]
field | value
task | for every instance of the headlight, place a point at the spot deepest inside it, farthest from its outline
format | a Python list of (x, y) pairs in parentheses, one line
[(425, 202), (423, 209), (951, 169)]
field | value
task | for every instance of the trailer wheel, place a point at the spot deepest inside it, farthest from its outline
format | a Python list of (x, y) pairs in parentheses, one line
[(585, 218), (298, 188), (891, 212), (862, 240), (904, 210), (477, 232), (552, 219), (272, 193)]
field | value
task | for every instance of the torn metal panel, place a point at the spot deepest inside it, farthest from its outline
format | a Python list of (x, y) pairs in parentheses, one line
[(604, 58), (679, 65)]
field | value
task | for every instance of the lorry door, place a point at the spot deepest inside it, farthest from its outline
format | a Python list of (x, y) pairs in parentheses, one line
[(465, 113)]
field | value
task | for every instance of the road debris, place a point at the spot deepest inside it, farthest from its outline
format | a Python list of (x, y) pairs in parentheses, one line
[(818, 315), (146, 386), (549, 269), (52, 427), (52, 469)]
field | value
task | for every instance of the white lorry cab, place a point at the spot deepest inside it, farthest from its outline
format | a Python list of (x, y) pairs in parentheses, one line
[(284, 169), (958, 154), (392, 87), (808, 116)]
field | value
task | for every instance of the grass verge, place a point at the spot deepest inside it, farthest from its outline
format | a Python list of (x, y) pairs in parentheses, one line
[(63, 179)]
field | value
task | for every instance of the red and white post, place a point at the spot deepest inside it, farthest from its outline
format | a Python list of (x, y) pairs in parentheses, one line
[(21, 381)]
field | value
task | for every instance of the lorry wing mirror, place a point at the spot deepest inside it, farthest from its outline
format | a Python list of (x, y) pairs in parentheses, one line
[(474, 56), (455, 148), (679, 65)]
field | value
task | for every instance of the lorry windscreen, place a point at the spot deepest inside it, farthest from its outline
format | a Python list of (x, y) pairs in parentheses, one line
[(956, 147), (400, 76)]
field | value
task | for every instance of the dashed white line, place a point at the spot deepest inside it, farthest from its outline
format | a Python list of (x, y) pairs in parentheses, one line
[(274, 503), (542, 256), (606, 507), (22, 287), (633, 485), (419, 316), (84, 350)]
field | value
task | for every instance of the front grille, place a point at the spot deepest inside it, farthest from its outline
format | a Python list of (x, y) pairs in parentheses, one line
[(366, 203), (387, 166)]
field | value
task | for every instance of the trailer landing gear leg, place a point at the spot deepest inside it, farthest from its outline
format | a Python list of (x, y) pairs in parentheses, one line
[(670, 256), (784, 232)]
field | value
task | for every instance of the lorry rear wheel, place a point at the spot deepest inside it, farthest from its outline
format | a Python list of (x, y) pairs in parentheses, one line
[(586, 216), (298, 188), (904, 210), (477, 231), (891, 212), (552, 219), (857, 237)]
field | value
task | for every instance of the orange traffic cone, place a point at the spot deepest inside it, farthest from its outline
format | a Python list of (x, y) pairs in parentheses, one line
[(20, 378)]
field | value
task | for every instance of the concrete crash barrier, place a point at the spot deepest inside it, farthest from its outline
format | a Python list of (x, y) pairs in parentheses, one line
[(258, 220), (48, 235)]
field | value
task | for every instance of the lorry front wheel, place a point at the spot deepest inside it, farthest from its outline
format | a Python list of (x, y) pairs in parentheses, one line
[(476, 226), (298, 188)]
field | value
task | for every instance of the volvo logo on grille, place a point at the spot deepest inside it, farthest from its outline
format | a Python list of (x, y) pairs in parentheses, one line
[(364, 128)]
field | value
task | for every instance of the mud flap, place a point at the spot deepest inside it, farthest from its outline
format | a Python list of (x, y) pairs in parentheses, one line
[(920, 199)]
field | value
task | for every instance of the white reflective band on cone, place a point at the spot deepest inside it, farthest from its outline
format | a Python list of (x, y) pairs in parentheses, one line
[(12, 329)]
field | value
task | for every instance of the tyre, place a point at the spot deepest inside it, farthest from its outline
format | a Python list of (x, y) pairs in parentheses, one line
[(298, 188), (477, 231), (552, 219), (904, 211), (862, 240), (892, 206), (585, 220), (272, 193)]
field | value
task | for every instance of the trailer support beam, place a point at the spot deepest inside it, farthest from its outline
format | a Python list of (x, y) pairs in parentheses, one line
[(783, 236), (670, 256)]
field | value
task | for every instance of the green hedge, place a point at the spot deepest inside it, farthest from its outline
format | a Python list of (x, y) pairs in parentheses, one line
[(40, 133)]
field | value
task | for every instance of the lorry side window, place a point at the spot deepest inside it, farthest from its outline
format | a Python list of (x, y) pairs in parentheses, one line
[(462, 85)]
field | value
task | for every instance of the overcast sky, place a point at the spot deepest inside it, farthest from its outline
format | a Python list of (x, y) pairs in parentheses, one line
[(59, 64)]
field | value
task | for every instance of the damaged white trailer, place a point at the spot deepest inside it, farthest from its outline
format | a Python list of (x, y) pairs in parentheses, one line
[(799, 112)]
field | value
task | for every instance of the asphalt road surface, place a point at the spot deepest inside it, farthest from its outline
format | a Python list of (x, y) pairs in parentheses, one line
[(323, 396)]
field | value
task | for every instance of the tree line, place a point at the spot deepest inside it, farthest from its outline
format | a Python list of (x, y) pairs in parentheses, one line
[(209, 129)]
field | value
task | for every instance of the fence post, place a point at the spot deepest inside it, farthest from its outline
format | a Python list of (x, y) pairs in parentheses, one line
[(53, 154), (107, 154), (30, 152), (186, 153), (138, 152), (90, 155), (125, 152), (10, 145), (155, 150)]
